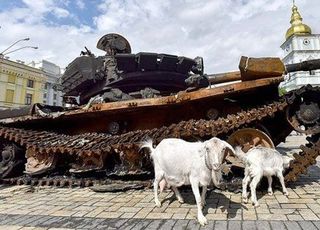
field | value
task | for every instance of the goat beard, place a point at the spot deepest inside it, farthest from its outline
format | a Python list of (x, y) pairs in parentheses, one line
[(216, 177)]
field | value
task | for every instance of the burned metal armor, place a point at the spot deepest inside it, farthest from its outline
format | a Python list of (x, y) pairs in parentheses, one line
[(132, 74)]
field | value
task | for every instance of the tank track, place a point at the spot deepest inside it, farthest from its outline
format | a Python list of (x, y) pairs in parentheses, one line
[(306, 157), (93, 143)]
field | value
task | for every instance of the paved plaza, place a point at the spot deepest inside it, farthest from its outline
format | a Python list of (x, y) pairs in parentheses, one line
[(24, 207)]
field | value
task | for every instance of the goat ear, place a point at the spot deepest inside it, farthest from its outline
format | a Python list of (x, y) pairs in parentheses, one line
[(207, 152), (227, 148)]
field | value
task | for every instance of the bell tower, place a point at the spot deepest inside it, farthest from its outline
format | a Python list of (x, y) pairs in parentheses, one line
[(300, 45)]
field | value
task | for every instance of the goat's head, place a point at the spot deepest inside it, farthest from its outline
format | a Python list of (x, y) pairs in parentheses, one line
[(216, 151)]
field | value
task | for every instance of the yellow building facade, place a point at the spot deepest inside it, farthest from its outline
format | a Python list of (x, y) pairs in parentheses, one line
[(20, 85)]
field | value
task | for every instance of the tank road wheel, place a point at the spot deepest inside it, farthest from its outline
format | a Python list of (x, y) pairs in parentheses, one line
[(303, 113), (39, 163), (248, 138), (11, 159), (87, 163)]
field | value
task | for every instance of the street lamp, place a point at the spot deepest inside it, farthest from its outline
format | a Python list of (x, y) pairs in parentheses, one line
[(24, 47), (24, 39)]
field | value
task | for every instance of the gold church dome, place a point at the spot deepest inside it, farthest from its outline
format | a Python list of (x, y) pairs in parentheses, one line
[(297, 27)]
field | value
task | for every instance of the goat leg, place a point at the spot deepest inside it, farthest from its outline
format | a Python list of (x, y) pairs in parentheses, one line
[(281, 179), (245, 183), (203, 196), (178, 195), (195, 189), (270, 192), (157, 179), (253, 186)]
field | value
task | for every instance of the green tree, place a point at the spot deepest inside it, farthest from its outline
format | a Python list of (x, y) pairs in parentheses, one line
[(282, 91)]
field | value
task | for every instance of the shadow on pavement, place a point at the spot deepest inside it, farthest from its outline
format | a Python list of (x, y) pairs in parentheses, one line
[(214, 200), (312, 176)]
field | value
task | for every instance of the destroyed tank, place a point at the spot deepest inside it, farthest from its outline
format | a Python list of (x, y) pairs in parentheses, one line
[(116, 101)]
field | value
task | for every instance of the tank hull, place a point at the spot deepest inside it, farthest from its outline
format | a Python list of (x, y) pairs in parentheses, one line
[(102, 139)]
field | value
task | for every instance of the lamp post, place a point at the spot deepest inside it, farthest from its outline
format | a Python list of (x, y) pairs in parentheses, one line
[(24, 39), (24, 47)]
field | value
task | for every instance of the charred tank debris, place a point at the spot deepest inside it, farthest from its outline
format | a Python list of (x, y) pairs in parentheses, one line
[(120, 75), (119, 99)]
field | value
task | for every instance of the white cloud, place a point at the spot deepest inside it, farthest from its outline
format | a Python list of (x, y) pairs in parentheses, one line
[(80, 4), (38, 9), (39, 6), (60, 12), (220, 31)]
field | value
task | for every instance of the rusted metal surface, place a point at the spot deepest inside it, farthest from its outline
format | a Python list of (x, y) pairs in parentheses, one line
[(253, 68), (248, 138), (304, 113), (224, 77), (111, 108), (121, 151), (249, 66), (88, 76), (103, 138), (87, 146)]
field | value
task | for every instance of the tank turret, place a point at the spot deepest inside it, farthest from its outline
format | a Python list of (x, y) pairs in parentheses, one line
[(130, 74)]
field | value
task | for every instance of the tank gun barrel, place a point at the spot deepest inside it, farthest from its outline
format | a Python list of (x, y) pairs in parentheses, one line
[(303, 66), (236, 75), (224, 77)]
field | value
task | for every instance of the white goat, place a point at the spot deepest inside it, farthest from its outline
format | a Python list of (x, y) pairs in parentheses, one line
[(178, 162), (259, 162)]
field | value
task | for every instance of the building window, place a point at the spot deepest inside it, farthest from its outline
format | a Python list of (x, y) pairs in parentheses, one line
[(28, 100), (46, 85), (54, 96), (44, 95), (30, 83), (54, 103), (11, 78), (44, 102), (9, 95)]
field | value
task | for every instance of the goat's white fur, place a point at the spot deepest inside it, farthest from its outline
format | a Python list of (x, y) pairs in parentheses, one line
[(259, 162), (178, 162)]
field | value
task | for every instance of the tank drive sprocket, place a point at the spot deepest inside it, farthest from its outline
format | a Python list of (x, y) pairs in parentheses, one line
[(303, 113), (11, 159)]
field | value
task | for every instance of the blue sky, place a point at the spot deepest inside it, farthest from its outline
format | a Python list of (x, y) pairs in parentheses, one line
[(220, 31), (81, 12)]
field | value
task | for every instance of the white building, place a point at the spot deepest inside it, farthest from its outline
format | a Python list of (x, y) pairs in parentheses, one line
[(51, 96), (300, 45)]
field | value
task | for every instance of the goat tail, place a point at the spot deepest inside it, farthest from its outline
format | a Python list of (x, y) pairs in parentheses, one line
[(147, 144), (239, 153)]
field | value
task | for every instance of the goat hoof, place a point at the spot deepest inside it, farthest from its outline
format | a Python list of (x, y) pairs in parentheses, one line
[(202, 221), (270, 193), (245, 200), (181, 201), (158, 203), (286, 193)]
